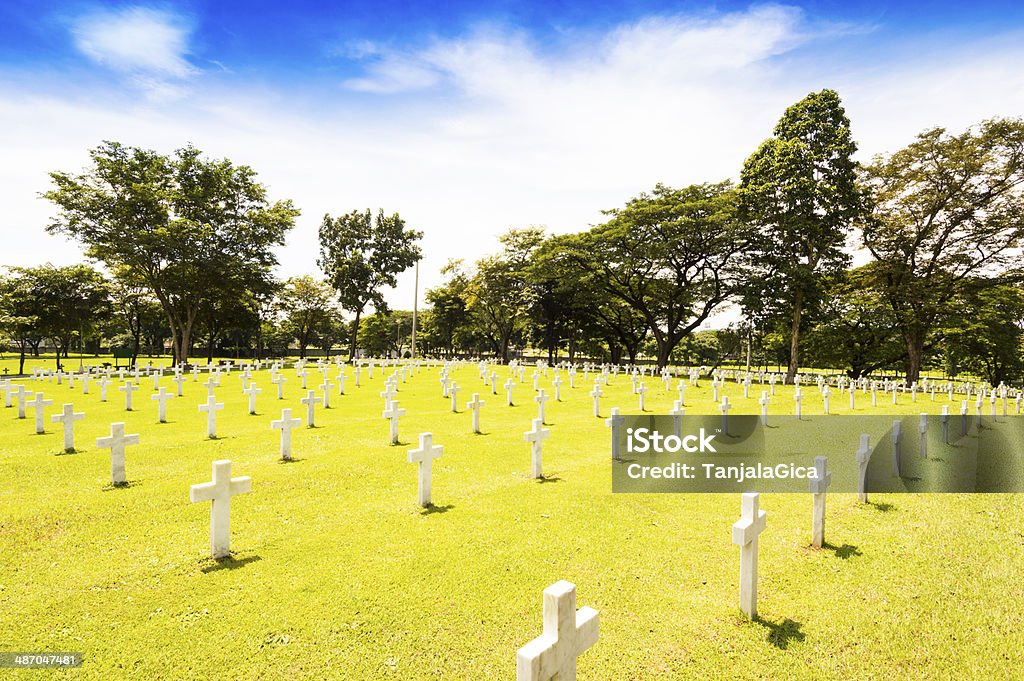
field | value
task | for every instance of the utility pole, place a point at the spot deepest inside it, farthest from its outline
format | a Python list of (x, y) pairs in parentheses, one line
[(415, 308)]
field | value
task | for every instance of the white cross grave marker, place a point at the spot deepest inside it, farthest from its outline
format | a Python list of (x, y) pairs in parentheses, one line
[(615, 422), (162, 398), (536, 439), (541, 399), (819, 486), (116, 443), (128, 388), (424, 456), (285, 425), (220, 491), (68, 418), (568, 633), (211, 408), (40, 403), (392, 412), (475, 405), (863, 457), (744, 534), (310, 400), (596, 394)]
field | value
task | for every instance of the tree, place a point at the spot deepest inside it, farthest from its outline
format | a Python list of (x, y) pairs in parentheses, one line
[(183, 226), (20, 315), (307, 305), (499, 296), (448, 308), (857, 329), (670, 256), (65, 302), (986, 337), (799, 192), (135, 310), (361, 255), (946, 220)]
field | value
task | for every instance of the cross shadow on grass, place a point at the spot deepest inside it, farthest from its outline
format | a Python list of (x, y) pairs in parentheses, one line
[(545, 479), (66, 452), (294, 459), (844, 552), (121, 485), (882, 508), (432, 509), (781, 634), (229, 563)]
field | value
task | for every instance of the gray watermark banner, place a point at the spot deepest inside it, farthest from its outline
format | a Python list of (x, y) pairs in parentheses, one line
[(882, 454)]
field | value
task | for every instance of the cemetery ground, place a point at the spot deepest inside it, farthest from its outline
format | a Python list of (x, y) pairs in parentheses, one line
[(337, 572)]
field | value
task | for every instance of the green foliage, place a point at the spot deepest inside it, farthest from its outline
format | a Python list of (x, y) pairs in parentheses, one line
[(190, 230), (986, 336), (670, 256), (307, 309), (947, 210), (798, 191), (361, 255)]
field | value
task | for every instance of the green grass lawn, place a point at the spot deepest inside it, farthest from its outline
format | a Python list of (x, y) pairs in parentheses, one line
[(337, 573)]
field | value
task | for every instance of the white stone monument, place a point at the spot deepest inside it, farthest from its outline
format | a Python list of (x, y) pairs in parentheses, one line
[(744, 534), (568, 633), (424, 456), (220, 491), (116, 443)]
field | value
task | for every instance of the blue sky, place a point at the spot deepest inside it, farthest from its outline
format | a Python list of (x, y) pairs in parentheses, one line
[(470, 118)]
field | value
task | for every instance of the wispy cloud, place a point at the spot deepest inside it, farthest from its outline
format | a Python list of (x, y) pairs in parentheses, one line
[(149, 46)]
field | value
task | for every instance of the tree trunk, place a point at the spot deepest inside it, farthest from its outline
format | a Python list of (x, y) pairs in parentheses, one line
[(915, 351), (355, 333), (21, 360), (794, 339)]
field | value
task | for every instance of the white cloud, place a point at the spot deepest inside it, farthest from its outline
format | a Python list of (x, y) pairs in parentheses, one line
[(138, 41), (510, 134)]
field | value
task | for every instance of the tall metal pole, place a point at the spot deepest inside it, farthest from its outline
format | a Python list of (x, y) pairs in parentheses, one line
[(415, 307)]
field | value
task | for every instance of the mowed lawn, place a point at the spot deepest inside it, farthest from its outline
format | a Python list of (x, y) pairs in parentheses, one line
[(337, 573)]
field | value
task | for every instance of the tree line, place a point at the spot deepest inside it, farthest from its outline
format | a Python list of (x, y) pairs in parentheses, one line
[(911, 261)]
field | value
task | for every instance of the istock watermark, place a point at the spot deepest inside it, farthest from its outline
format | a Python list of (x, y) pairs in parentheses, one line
[(887, 454)]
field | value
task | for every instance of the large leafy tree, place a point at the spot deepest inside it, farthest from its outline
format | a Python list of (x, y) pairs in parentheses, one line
[(66, 302), (307, 306), (499, 296), (986, 336), (449, 313), (361, 254), (799, 192), (670, 256), (184, 226), (947, 219)]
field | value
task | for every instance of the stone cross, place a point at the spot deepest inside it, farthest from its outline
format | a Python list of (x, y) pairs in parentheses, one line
[(677, 412), (819, 486), (220, 491), (179, 380), (945, 424), (963, 417), (85, 383), (162, 398), (252, 391), (825, 394), (682, 392), (596, 394), (557, 383), (724, 407), (326, 387), (310, 400), (615, 422), (454, 392), (475, 405), (764, 407), (863, 458), (211, 408), (388, 394), (8, 388), (853, 396), (541, 399), (128, 388), (40, 403), (211, 384), (744, 534), (897, 444), (922, 429), (285, 425), (445, 382), (358, 372), (104, 382), (116, 444), (68, 418), (392, 412), (303, 374), (341, 383), (424, 456), (509, 385), (536, 380), (279, 381), (642, 392), (568, 633), (536, 439), (714, 389)]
